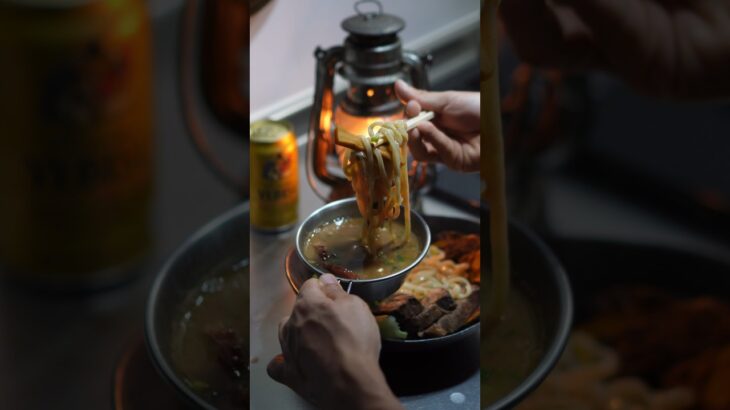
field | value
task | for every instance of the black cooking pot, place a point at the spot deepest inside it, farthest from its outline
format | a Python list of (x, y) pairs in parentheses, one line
[(538, 274), (540, 277), (226, 238)]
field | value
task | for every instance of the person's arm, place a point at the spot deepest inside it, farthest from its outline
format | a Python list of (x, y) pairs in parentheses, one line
[(330, 346), (453, 136), (666, 48)]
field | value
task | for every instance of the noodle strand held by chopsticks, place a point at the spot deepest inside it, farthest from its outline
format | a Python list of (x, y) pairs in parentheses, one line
[(381, 164), (380, 183)]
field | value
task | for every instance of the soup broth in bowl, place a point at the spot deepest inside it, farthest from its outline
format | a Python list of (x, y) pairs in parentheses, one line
[(336, 246), (330, 240)]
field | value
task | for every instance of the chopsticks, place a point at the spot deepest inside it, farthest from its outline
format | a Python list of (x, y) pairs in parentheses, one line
[(424, 116), (354, 142)]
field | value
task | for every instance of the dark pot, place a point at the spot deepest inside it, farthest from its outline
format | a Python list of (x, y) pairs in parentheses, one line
[(537, 272), (540, 276), (224, 238)]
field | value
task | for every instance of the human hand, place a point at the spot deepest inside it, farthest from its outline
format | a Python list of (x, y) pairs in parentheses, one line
[(667, 48), (452, 137), (330, 346)]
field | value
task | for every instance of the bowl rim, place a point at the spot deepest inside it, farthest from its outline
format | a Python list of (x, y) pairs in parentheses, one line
[(344, 202), (565, 322), (152, 343)]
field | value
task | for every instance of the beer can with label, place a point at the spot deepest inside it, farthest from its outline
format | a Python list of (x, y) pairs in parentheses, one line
[(76, 142), (274, 176)]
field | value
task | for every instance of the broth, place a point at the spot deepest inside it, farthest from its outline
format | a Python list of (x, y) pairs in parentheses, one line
[(511, 350), (337, 246), (210, 338)]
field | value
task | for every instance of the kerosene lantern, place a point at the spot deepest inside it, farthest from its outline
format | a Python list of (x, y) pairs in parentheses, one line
[(370, 60)]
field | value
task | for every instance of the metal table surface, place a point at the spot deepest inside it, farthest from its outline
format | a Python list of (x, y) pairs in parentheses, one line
[(272, 299)]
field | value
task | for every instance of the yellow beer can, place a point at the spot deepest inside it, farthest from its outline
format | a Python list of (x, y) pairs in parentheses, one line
[(274, 176), (77, 136)]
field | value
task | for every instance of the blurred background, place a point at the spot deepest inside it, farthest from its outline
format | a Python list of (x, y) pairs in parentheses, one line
[(591, 157), (631, 193), (99, 183)]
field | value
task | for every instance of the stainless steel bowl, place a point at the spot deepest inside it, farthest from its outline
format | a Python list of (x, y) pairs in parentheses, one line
[(370, 290)]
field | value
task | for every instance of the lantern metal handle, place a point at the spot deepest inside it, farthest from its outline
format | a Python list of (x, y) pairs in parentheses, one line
[(320, 142), (416, 65), (361, 13)]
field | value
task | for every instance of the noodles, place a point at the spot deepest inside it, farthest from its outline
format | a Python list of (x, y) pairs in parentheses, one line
[(436, 272), (381, 183), (381, 164), (437, 297)]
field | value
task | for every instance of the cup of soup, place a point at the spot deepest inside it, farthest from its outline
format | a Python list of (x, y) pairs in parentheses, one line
[(330, 241)]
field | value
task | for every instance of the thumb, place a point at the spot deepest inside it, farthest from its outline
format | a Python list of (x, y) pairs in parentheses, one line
[(331, 287), (428, 100)]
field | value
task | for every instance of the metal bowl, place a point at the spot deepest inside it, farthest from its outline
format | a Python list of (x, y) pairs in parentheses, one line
[(370, 290), (226, 238)]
